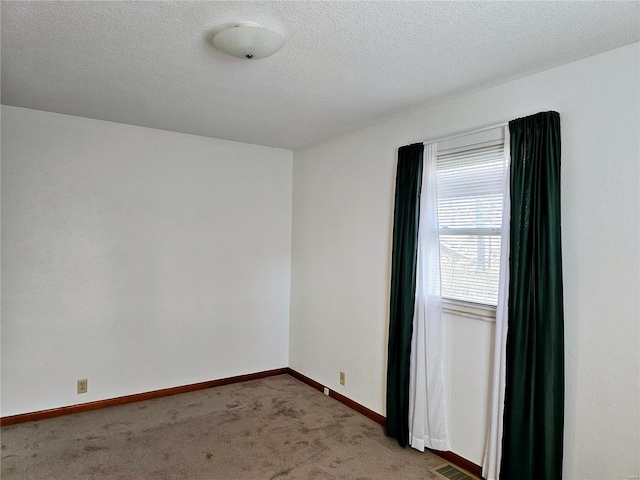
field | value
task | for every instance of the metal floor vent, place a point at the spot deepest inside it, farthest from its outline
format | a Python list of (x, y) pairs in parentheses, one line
[(452, 473)]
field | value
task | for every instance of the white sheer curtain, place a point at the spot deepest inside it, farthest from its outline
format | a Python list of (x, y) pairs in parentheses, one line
[(493, 447), (428, 422)]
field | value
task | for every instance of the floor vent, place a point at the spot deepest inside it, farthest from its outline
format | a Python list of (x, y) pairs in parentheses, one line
[(452, 473)]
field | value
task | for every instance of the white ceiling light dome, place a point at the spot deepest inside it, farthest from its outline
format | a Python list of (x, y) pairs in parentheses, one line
[(248, 40)]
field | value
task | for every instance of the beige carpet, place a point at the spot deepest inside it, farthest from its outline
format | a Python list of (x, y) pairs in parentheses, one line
[(274, 428)]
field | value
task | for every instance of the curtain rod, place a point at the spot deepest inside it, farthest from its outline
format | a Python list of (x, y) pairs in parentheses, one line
[(451, 137)]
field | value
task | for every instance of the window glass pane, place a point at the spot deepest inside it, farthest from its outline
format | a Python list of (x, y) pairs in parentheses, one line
[(470, 188), (470, 211), (470, 266)]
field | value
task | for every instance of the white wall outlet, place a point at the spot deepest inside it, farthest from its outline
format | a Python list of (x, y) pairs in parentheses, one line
[(326, 391), (82, 385), (342, 378)]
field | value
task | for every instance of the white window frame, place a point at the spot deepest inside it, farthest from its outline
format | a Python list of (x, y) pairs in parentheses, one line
[(454, 144)]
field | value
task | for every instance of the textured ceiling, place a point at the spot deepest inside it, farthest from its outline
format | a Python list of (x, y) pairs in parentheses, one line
[(344, 66)]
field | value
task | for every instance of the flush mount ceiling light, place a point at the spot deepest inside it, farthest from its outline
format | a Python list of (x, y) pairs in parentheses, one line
[(248, 40)]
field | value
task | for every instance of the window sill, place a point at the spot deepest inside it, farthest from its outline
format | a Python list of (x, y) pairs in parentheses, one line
[(486, 313)]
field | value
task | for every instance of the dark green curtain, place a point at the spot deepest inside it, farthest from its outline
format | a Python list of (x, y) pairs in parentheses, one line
[(534, 392), (403, 288)]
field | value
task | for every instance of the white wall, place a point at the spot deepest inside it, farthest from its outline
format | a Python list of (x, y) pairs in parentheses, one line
[(342, 221), (137, 258)]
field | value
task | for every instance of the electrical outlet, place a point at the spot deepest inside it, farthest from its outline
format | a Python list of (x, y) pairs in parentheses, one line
[(82, 386), (342, 378), (326, 391)]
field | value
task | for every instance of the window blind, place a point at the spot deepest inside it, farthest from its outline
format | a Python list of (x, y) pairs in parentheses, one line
[(470, 194)]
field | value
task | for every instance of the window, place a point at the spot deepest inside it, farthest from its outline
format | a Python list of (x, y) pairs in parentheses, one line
[(470, 194)]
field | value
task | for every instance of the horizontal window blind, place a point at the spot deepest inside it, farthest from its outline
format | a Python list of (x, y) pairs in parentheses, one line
[(470, 194)]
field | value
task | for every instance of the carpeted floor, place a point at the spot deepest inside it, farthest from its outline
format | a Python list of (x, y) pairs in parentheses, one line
[(274, 428)]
